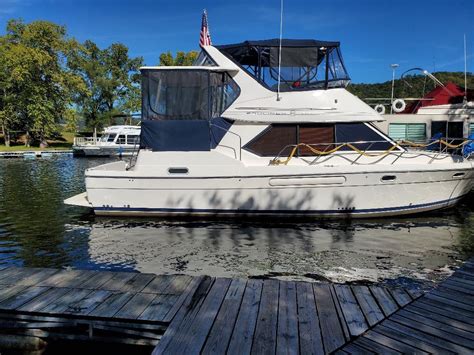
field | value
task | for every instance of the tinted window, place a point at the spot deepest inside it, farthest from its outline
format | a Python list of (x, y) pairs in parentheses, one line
[(111, 137), (132, 139), (273, 140), (121, 139), (318, 136)]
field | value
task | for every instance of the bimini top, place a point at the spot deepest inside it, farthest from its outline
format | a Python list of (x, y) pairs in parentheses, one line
[(305, 63)]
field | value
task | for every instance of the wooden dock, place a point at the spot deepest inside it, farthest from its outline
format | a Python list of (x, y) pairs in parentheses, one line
[(178, 314), (33, 154)]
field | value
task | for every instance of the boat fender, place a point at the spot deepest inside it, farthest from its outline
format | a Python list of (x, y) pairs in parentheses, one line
[(380, 109), (399, 105), (468, 149)]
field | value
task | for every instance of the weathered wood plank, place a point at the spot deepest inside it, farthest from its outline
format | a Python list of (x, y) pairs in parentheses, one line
[(138, 283), (36, 277), (96, 281), (332, 333), (22, 297), (177, 285), (221, 331), (88, 303), (352, 313), (112, 304), (65, 302), (357, 350), (374, 346), (193, 298), (432, 313), (11, 275), (60, 278), (10, 291), (368, 304), (446, 310), (344, 326), (264, 341), (135, 306), (412, 341), (118, 281), (244, 328), (417, 330), (441, 333), (384, 300), (437, 323), (287, 328), (159, 307), (400, 296), (191, 340), (448, 300), (159, 284), (311, 341), (44, 299), (391, 343)]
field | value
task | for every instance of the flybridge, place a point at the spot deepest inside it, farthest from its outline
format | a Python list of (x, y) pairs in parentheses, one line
[(304, 64)]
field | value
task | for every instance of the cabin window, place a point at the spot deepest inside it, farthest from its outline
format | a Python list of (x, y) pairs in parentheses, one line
[(121, 139), (318, 137), (471, 128), (132, 139), (273, 140), (111, 138), (323, 137), (413, 132)]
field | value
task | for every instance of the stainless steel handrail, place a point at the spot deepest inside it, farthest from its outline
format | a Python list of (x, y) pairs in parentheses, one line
[(235, 134)]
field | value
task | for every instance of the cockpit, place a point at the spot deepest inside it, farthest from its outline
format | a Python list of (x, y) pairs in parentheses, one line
[(300, 64)]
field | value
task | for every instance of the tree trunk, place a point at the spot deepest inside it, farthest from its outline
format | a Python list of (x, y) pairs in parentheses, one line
[(28, 139), (6, 135)]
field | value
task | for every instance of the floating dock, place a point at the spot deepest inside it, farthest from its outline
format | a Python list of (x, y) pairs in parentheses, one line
[(33, 154), (178, 314)]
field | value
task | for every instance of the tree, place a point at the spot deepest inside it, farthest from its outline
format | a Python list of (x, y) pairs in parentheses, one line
[(181, 59), (112, 80), (37, 85)]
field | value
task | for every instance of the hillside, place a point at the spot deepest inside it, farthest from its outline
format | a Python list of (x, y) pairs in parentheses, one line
[(411, 86)]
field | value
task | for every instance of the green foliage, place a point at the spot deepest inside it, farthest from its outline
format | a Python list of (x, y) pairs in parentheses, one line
[(37, 88), (112, 81), (181, 59), (414, 86)]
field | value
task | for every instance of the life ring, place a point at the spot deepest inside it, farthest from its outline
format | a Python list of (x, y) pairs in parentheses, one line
[(380, 109), (399, 105)]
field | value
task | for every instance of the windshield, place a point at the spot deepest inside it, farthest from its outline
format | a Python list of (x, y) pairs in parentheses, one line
[(298, 67)]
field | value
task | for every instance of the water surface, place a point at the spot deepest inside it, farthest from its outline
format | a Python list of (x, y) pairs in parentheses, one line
[(38, 230)]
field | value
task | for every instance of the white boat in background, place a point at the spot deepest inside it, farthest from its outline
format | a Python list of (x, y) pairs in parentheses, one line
[(115, 140), (268, 128)]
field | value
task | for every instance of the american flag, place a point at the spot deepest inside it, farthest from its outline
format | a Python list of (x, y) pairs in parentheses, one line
[(205, 37)]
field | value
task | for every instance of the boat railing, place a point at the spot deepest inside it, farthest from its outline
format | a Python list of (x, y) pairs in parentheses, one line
[(434, 148), (85, 141), (134, 156), (234, 134)]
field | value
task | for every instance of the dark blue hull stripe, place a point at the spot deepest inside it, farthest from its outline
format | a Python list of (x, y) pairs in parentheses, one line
[(241, 211)]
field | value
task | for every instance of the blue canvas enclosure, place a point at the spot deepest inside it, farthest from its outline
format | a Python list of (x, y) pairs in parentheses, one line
[(181, 108)]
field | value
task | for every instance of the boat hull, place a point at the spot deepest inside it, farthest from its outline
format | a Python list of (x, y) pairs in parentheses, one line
[(363, 194)]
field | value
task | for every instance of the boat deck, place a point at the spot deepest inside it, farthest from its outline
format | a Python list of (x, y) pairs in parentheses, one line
[(179, 314)]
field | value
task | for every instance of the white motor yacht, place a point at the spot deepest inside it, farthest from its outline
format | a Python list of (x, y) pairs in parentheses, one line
[(115, 140), (263, 128)]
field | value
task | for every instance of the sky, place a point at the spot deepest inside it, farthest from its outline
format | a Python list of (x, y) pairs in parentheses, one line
[(373, 34)]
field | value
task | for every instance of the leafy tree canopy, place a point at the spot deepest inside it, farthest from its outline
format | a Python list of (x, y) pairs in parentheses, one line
[(181, 59)]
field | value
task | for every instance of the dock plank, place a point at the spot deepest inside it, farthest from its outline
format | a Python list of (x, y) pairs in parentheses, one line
[(221, 331), (43, 300), (112, 304), (376, 347), (352, 313), (135, 306), (392, 343), (159, 284), (433, 314), (242, 335), (118, 281), (193, 298), (22, 297), (311, 341), (384, 300), (264, 341), (88, 303), (193, 339), (331, 329), (10, 291), (65, 302), (159, 307), (447, 310), (400, 296), (287, 328), (368, 304)]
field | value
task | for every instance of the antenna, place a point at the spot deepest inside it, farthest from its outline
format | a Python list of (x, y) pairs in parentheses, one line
[(465, 69), (279, 50)]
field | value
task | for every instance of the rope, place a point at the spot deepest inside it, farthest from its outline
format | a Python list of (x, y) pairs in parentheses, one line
[(361, 152)]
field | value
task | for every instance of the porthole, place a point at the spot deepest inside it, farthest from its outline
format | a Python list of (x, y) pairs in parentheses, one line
[(178, 170), (388, 178)]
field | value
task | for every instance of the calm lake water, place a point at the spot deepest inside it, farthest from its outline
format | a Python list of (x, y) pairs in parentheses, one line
[(38, 230)]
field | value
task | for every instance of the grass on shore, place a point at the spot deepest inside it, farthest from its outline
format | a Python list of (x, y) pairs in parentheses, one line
[(65, 142)]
